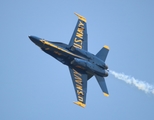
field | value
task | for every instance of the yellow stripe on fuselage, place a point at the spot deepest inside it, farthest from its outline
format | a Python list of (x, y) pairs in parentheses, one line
[(61, 49)]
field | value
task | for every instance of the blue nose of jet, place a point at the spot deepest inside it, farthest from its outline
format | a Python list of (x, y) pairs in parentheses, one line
[(36, 40)]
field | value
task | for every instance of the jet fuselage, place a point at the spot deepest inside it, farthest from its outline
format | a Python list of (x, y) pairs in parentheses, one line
[(81, 63), (73, 57)]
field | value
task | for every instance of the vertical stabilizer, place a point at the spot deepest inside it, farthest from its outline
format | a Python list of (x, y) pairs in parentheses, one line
[(102, 54)]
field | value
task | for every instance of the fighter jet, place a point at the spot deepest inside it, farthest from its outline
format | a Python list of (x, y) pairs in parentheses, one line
[(81, 63)]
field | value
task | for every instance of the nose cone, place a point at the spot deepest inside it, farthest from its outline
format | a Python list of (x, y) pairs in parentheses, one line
[(36, 40)]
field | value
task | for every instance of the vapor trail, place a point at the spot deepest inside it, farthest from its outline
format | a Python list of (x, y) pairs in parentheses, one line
[(141, 85)]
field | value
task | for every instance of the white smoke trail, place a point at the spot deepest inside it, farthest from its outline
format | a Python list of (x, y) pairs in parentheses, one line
[(141, 85)]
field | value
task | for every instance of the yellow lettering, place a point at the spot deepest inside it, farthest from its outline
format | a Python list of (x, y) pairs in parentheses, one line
[(75, 72), (80, 93), (80, 98), (81, 24), (80, 30), (78, 41), (79, 87), (79, 35), (77, 46), (79, 82), (77, 77)]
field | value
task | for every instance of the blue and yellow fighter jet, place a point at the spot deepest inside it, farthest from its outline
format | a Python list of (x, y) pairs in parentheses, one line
[(82, 64)]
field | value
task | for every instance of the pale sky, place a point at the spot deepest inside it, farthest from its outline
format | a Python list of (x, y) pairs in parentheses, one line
[(34, 86)]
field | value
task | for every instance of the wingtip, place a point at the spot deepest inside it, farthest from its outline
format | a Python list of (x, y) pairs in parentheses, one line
[(106, 47), (81, 17), (80, 104), (105, 94)]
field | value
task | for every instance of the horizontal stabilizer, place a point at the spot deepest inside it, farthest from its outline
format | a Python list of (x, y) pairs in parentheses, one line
[(80, 104), (102, 54), (102, 84)]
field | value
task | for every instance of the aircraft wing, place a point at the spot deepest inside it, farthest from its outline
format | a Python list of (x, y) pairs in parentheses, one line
[(79, 37), (79, 80)]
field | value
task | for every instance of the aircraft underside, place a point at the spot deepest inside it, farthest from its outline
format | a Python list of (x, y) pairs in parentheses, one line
[(81, 63)]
